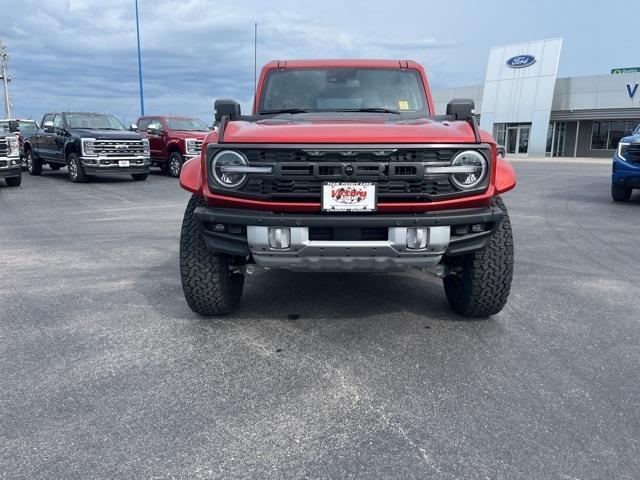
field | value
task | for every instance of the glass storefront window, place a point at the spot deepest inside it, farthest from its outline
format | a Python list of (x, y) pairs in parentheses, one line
[(605, 134), (599, 135), (499, 133)]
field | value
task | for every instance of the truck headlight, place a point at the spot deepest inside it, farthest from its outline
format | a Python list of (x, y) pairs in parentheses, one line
[(14, 147), (88, 147), (222, 168), (471, 169), (623, 150), (191, 146)]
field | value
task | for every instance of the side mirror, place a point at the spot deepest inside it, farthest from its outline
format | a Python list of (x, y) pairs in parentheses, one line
[(133, 127), (153, 131), (226, 108), (48, 126), (14, 126), (502, 151), (460, 108)]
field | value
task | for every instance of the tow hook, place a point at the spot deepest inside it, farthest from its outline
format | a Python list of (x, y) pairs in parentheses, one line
[(250, 269), (442, 270)]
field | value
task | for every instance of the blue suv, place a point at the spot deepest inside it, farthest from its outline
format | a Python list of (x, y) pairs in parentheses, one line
[(626, 167)]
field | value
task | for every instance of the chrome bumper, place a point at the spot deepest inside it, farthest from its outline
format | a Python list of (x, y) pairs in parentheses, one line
[(313, 255), (97, 161)]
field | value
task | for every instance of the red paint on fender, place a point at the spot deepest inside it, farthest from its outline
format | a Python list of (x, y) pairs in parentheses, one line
[(190, 176), (505, 178)]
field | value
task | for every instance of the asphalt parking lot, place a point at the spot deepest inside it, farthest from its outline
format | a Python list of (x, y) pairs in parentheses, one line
[(106, 373)]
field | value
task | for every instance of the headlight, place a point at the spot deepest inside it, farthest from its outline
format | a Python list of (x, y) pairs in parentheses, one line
[(471, 169), (14, 147), (88, 147), (623, 150), (145, 147), (191, 146), (222, 168)]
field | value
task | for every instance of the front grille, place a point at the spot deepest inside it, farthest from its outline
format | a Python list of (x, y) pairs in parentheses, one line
[(199, 146), (4, 163), (118, 148), (348, 233), (4, 148), (634, 152), (299, 172)]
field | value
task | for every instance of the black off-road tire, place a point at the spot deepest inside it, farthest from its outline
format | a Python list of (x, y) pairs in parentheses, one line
[(55, 166), (34, 165), (620, 194), (210, 287), (174, 164), (13, 181), (76, 171), (139, 177), (481, 281)]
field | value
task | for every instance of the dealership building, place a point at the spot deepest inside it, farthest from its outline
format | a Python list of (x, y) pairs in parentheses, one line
[(532, 112)]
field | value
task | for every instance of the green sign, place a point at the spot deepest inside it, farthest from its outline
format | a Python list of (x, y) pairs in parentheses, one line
[(615, 71)]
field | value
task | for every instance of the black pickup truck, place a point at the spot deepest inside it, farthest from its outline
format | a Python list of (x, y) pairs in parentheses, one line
[(10, 168), (87, 144)]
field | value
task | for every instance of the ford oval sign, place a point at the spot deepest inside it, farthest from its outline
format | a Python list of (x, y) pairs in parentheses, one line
[(521, 61)]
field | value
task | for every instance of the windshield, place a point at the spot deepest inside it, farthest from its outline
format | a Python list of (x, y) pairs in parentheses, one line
[(343, 89), (187, 124), (93, 121)]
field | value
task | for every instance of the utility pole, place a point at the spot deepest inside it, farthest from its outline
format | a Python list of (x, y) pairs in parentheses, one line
[(4, 61), (139, 62), (255, 56)]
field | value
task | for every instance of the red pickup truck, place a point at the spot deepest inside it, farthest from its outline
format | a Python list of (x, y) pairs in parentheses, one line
[(344, 166), (173, 140)]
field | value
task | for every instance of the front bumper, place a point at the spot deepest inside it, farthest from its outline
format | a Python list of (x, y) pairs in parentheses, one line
[(625, 174), (245, 234), (98, 166), (10, 170)]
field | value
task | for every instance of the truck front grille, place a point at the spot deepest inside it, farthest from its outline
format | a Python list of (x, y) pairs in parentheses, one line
[(299, 172), (4, 148), (634, 152), (118, 148)]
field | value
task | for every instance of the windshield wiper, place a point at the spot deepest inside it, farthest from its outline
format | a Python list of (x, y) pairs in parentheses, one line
[(284, 110), (370, 109)]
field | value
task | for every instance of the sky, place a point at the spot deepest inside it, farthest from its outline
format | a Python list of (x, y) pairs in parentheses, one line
[(81, 54)]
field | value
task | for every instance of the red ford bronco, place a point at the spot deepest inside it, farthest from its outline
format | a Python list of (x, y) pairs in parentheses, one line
[(344, 166)]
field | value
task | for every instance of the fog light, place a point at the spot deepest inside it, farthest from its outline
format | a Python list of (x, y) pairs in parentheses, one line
[(417, 238), (279, 237), (219, 227), (478, 227)]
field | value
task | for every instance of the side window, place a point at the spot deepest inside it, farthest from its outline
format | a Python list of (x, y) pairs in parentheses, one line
[(143, 124), (57, 121), (47, 118), (157, 124)]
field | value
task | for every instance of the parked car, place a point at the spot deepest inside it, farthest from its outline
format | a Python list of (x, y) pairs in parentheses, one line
[(343, 166), (626, 167), (10, 154), (26, 128), (87, 144), (173, 140)]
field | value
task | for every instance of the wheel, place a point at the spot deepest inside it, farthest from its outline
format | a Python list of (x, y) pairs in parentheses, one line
[(174, 164), (55, 166), (138, 177), (76, 172), (13, 181), (620, 194), (34, 165), (209, 286), (480, 282)]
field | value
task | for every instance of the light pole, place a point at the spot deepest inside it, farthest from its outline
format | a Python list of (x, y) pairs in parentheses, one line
[(139, 62)]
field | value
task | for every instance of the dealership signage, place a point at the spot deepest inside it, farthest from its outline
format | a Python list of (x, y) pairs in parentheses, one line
[(521, 61), (632, 89), (616, 71)]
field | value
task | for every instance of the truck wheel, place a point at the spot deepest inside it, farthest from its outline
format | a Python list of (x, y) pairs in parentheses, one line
[(55, 166), (139, 177), (620, 194), (34, 165), (210, 287), (480, 282), (13, 181), (76, 172), (174, 164)]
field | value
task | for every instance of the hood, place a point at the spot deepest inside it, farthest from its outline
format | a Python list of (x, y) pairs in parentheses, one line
[(347, 129), (107, 134), (182, 134)]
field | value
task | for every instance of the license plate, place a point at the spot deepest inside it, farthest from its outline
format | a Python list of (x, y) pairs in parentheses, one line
[(123, 163), (348, 197)]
